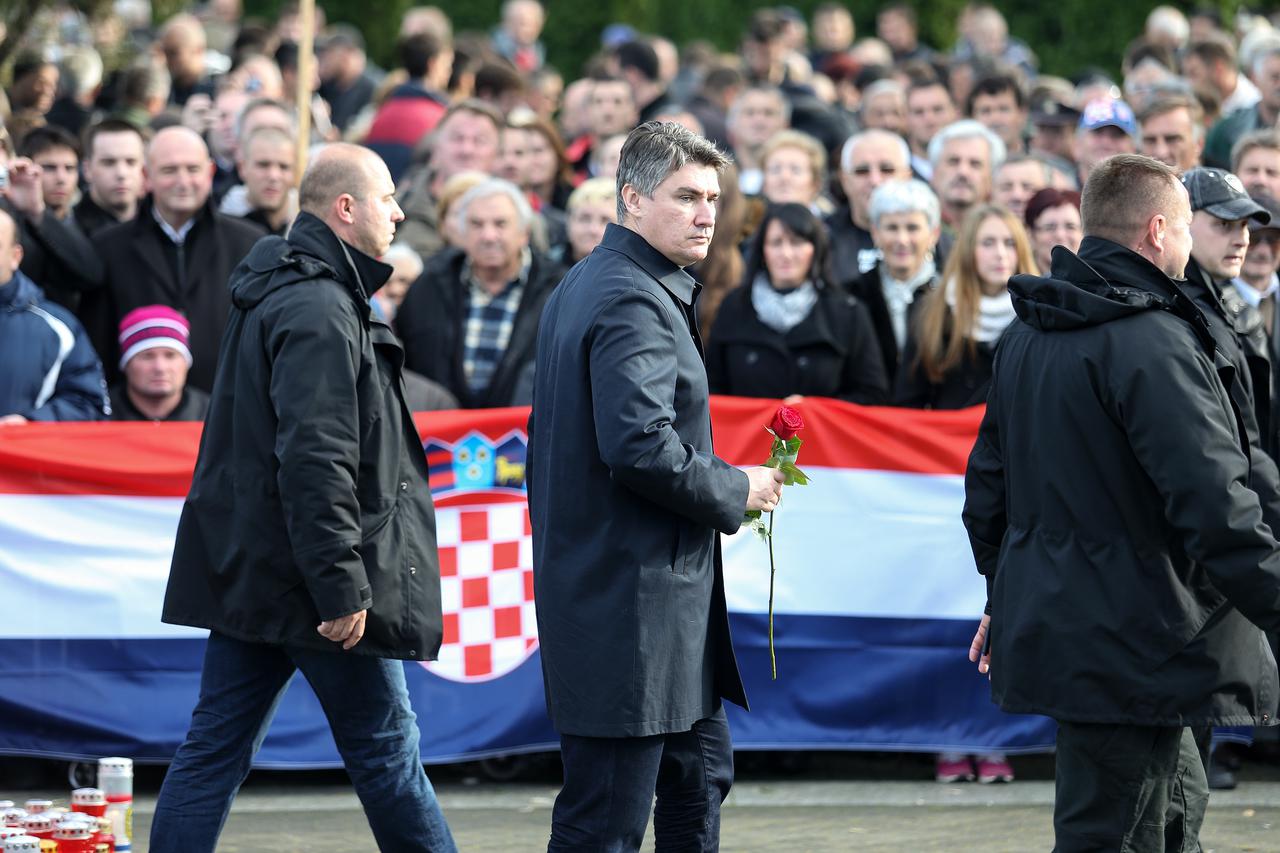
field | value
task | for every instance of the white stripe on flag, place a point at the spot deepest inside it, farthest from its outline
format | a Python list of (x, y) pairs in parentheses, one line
[(861, 543), (82, 566), (853, 543)]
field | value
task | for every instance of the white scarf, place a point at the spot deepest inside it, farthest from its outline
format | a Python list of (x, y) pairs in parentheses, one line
[(782, 310), (898, 296), (995, 313)]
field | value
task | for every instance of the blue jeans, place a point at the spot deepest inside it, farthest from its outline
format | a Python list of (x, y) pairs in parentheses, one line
[(609, 787), (367, 705)]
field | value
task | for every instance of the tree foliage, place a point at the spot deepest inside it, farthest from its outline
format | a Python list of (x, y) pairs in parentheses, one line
[(1067, 36), (17, 16)]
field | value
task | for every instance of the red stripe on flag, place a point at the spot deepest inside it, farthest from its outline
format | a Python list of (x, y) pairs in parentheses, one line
[(156, 460)]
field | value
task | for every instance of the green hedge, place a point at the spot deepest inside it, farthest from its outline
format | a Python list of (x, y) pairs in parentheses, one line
[(1067, 35)]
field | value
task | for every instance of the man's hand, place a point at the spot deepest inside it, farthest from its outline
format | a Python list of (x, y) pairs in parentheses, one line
[(346, 630), (12, 420), (979, 643), (766, 488), (25, 191)]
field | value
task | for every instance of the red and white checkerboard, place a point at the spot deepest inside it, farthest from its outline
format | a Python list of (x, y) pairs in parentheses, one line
[(486, 590)]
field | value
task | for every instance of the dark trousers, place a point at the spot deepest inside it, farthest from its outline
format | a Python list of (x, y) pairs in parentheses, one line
[(1128, 788), (609, 787)]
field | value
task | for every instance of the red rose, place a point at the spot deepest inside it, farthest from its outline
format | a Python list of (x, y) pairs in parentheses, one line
[(786, 423)]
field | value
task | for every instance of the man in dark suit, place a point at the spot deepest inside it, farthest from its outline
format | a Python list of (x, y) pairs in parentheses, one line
[(626, 498), (177, 251)]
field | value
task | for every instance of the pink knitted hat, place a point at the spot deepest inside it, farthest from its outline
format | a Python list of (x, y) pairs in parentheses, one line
[(153, 326)]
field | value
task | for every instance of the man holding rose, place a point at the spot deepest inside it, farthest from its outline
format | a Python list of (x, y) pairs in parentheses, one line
[(626, 498)]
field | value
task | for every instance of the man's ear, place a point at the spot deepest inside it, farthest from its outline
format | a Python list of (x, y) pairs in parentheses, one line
[(630, 199), (1157, 229), (344, 207)]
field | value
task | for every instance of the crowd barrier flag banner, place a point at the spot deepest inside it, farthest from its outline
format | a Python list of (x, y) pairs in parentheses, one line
[(877, 597)]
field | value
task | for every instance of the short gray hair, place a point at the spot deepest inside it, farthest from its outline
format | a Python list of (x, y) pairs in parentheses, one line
[(655, 150), (486, 189), (910, 196), (1260, 52), (83, 65), (846, 153), (967, 128), (404, 251)]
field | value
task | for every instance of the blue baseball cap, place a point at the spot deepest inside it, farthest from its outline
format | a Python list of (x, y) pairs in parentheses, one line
[(1107, 112)]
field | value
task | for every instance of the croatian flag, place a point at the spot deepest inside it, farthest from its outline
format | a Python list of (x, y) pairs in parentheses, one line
[(876, 598)]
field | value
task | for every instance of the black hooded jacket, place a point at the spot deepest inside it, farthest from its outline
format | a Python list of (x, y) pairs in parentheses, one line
[(1109, 506), (310, 499)]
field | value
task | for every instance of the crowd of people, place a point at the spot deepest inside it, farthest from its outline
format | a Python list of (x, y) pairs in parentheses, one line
[(882, 193)]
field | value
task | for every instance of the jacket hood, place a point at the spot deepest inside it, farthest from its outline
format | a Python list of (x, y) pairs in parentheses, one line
[(1104, 282), (20, 293), (313, 251)]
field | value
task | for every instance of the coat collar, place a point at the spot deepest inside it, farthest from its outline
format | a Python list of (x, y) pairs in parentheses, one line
[(362, 272), (619, 238)]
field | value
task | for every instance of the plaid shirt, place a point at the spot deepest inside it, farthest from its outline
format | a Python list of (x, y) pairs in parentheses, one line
[(490, 321)]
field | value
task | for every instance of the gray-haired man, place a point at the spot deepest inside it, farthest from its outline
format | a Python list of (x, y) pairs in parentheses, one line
[(626, 498), (470, 320)]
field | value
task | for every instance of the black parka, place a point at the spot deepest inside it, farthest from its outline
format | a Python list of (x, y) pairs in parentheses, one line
[(310, 499), (625, 497), (141, 269), (1237, 329), (432, 323), (833, 352), (1109, 505)]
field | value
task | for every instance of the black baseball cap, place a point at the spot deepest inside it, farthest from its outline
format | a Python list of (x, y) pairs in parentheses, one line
[(1272, 207), (1049, 110), (1221, 194)]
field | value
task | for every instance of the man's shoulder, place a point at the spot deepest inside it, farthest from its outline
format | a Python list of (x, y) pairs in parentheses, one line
[(599, 280), (117, 237), (238, 228)]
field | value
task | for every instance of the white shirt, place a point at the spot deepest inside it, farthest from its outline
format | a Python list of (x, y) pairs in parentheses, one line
[(1251, 294), (1245, 95)]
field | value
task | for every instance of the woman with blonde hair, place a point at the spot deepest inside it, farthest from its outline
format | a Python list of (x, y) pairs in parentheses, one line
[(592, 206), (795, 170), (947, 363)]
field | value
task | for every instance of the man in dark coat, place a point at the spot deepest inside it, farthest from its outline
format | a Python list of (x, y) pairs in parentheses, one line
[(626, 498), (113, 157), (867, 160), (470, 321), (1222, 212), (177, 251), (308, 539), (54, 254), (1127, 597)]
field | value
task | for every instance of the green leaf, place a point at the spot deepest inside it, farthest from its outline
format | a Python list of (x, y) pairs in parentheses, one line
[(795, 477), (751, 515), (793, 445)]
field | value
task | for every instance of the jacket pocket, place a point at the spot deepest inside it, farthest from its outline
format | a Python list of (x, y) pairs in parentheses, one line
[(680, 557)]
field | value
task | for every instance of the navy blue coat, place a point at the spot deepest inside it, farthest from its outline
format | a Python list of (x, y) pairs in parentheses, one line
[(626, 496), (51, 372)]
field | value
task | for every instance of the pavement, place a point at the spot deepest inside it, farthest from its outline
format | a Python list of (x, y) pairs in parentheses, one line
[(804, 805)]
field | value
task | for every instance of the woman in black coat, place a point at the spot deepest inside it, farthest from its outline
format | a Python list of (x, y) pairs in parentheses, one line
[(788, 332), (948, 358)]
